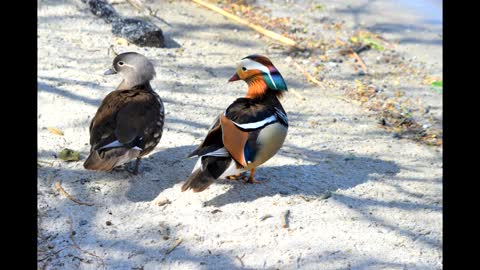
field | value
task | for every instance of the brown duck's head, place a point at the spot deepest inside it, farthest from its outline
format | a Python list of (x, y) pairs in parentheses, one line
[(135, 68)]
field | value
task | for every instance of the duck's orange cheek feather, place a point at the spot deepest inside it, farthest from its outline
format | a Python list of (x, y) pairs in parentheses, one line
[(248, 74)]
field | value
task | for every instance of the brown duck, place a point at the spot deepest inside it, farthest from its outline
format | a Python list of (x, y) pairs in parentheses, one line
[(250, 131), (129, 122)]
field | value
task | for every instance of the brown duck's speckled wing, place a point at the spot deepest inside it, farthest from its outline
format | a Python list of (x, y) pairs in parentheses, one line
[(103, 124), (128, 116)]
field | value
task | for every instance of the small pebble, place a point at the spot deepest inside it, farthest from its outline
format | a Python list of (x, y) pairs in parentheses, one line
[(83, 181), (162, 201), (83, 223), (108, 223)]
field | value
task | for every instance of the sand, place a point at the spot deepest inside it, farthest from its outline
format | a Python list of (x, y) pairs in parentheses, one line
[(358, 197)]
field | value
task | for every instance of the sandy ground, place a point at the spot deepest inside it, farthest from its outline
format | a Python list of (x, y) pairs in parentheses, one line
[(385, 204)]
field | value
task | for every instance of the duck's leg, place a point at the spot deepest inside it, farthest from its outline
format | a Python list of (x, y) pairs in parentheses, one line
[(237, 176), (252, 179), (135, 169), (137, 165)]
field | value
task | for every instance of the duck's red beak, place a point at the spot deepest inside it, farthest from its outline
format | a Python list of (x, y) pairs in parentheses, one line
[(234, 78)]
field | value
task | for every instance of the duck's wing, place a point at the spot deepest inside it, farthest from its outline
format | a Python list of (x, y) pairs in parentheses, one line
[(213, 140), (124, 127), (103, 124)]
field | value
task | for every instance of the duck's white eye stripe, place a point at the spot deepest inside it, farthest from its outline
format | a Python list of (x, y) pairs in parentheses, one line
[(250, 64), (125, 64)]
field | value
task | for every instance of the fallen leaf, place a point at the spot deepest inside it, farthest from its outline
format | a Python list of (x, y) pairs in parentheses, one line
[(121, 41), (55, 131), (430, 80), (437, 83), (69, 155)]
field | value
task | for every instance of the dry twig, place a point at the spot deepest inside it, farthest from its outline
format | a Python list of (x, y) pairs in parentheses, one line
[(360, 61), (255, 27), (262, 218), (176, 244), (111, 49), (309, 77), (354, 54), (59, 188), (240, 259), (79, 248), (285, 218), (50, 255), (138, 5)]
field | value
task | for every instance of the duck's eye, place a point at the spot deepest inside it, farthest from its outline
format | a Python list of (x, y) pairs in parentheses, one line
[(244, 68), (121, 63)]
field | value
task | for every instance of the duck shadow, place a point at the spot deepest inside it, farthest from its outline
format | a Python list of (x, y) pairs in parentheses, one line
[(331, 171), (169, 42), (159, 171), (327, 172)]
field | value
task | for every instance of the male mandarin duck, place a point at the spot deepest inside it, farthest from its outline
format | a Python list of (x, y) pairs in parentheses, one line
[(249, 132), (129, 122)]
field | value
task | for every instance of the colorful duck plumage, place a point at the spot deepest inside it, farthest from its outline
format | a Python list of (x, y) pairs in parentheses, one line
[(250, 131)]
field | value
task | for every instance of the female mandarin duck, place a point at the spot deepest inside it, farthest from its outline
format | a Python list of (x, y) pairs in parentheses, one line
[(249, 132), (129, 122)]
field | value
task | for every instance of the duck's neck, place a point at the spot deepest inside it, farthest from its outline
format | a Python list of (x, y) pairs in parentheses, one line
[(127, 85), (258, 89)]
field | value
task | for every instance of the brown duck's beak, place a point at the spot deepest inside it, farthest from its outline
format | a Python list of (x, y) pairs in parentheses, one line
[(110, 72), (234, 78)]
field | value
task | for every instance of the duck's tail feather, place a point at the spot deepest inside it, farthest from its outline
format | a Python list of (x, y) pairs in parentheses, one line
[(208, 169), (107, 159)]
